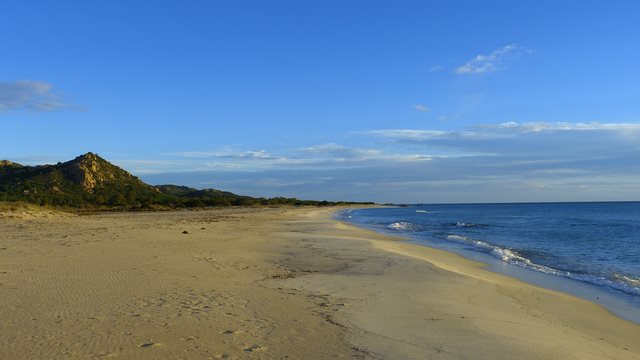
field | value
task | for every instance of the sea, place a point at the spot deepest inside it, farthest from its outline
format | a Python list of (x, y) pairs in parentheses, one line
[(590, 250)]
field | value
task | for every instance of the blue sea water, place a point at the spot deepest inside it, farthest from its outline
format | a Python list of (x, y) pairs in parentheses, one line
[(597, 244)]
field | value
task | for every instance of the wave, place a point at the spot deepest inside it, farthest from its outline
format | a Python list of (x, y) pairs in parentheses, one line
[(464, 224), (628, 280), (624, 283), (469, 241), (452, 229), (344, 213), (401, 226)]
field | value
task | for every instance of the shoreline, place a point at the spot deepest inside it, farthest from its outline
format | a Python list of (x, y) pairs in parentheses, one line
[(618, 303), (462, 302), (272, 284)]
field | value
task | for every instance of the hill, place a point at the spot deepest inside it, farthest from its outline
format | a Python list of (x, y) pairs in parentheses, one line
[(85, 180), (90, 181)]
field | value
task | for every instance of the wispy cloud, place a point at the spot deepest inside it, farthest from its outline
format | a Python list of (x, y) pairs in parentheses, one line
[(511, 161), (503, 130), (228, 154), (333, 153), (322, 156), (490, 62), (565, 126), (535, 149), (422, 135), (29, 95), (228, 158), (421, 108)]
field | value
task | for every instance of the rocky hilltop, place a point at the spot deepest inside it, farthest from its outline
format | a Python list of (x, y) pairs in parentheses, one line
[(90, 171), (6, 164)]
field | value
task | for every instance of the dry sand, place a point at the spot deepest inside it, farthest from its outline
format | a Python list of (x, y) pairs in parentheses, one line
[(271, 284)]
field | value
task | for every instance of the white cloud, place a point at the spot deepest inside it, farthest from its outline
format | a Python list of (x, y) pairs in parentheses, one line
[(565, 126), (421, 108), (418, 135), (332, 153), (490, 62), (223, 165), (504, 130), (336, 151), (228, 154), (29, 95), (543, 145), (329, 147), (322, 156), (511, 161)]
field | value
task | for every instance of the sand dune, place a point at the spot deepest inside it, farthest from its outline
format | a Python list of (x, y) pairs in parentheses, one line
[(271, 284), (27, 211)]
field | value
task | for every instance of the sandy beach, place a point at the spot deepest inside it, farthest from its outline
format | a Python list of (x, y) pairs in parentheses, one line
[(277, 283)]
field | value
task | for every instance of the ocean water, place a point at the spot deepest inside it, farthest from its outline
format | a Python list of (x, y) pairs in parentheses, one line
[(589, 249)]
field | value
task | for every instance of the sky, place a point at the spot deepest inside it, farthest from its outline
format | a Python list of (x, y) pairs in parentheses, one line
[(387, 101)]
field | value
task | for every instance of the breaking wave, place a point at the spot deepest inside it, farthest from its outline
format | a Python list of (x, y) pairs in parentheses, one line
[(464, 224), (401, 226), (624, 283)]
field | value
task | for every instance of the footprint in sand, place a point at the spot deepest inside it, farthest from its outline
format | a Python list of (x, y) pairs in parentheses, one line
[(149, 343), (255, 347), (231, 332)]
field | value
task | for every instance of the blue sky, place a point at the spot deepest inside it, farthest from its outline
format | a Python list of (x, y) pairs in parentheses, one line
[(404, 101)]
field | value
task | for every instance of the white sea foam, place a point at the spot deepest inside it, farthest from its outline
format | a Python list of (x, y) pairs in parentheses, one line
[(470, 241), (507, 255), (464, 224), (401, 226), (628, 280), (619, 282), (553, 265), (630, 285), (512, 257)]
